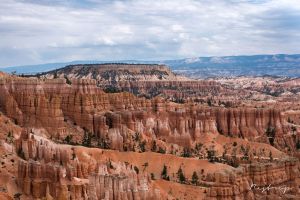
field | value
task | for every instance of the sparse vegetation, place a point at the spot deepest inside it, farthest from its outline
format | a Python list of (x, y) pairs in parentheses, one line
[(17, 196), (105, 143), (211, 155), (161, 150), (186, 152), (142, 146), (112, 89), (68, 81), (86, 141), (164, 173), (68, 139), (180, 176), (154, 146), (195, 178)]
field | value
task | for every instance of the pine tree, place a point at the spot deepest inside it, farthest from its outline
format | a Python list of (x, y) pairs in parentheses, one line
[(68, 80), (195, 178), (154, 147), (180, 176), (298, 145), (164, 173), (186, 153), (211, 155), (86, 141)]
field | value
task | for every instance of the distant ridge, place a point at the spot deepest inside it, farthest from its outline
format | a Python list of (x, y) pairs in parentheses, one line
[(200, 67)]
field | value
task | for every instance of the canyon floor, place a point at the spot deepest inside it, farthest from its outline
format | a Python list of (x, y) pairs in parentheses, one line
[(135, 132)]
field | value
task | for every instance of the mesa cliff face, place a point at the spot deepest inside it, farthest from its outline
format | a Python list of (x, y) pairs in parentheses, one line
[(57, 107)]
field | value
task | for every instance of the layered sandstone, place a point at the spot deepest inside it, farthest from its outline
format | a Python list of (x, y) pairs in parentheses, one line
[(57, 113), (57, 107), (53, 171), (256, 180)]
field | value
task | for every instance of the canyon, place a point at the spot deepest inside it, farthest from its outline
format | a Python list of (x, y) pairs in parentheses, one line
[(119, 131)]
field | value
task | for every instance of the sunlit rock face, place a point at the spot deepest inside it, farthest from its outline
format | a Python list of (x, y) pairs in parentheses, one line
[(56, 118), (57, 171), (58, 107)]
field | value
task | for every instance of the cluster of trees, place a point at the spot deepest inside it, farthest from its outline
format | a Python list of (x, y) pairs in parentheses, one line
[(232, 160), (180, 176), (104, 143), (68, 81), (112, 89), (87, 139)]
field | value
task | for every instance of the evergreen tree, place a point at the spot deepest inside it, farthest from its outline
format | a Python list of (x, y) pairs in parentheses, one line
[(68, 80), (211, 155), (68, 139), (180, 176), (186, 153), (154, 146), (298, 145), (164, 173), (86, 141), (142, 146), (195, 178), (161, 150)]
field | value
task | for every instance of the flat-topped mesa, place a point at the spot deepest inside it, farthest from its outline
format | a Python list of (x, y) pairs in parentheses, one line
[(132, 68), (147, 80), (115, 72)]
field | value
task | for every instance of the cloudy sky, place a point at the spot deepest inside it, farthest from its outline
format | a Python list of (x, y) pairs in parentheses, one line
[(42, 31)]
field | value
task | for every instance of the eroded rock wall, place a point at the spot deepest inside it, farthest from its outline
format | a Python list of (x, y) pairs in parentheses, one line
[(52, 103)]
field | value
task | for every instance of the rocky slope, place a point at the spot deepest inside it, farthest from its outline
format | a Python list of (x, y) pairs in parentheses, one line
[(56, 171), (129, 141), (57, 107)]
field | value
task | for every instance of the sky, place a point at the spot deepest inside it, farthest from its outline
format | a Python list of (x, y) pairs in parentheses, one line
[(46, 31)]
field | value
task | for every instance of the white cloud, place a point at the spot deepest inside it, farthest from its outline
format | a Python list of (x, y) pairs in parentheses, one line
[(35, 31)]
